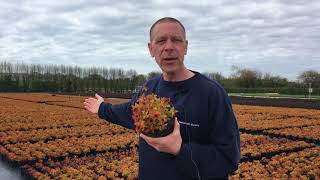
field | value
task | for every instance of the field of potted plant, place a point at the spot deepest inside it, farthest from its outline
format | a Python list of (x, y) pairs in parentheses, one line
[(51, 136)]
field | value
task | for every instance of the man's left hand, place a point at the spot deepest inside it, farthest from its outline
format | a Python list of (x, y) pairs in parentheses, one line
[(169, 144)]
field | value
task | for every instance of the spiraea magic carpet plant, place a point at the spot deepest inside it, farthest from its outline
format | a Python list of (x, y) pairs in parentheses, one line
[(153, 115)]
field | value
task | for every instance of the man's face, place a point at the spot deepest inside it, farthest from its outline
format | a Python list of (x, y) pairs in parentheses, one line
[(168, 46)]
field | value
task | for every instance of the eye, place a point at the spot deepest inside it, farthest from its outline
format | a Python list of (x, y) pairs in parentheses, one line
[(176, 40), (160, 41)]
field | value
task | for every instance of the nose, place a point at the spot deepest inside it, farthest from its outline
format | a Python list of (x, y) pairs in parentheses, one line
[(169, 45)]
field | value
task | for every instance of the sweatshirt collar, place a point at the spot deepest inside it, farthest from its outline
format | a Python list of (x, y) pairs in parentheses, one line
[(188, 83)]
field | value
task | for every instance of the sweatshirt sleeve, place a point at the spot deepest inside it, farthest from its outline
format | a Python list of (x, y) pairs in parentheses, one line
[(221, 156), (118, 114)]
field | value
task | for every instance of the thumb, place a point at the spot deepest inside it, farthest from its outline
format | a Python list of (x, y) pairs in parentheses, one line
[(97, 96), (176, 125)]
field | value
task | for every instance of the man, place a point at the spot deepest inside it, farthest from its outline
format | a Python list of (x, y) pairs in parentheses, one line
[(205, 142)]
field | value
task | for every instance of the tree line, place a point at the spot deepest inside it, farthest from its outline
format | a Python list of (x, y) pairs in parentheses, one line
[(244, 80), (21, 77)]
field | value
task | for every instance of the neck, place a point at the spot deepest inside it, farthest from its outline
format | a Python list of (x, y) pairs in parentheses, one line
[(181, 75)]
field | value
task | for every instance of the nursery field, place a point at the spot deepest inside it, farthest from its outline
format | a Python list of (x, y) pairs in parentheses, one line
[(52, 137)]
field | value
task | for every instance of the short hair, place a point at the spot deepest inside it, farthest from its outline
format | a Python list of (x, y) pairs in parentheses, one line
[(167, 19)]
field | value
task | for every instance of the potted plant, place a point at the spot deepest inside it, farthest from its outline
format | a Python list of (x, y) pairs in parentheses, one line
[(153, 116)]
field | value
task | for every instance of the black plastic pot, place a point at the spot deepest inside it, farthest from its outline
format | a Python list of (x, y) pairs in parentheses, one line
[(164, 132)]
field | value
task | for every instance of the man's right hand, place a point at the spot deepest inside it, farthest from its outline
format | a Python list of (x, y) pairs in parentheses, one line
[(93, 104)]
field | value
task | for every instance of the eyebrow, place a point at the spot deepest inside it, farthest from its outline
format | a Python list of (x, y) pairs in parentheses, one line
[(171, 36)]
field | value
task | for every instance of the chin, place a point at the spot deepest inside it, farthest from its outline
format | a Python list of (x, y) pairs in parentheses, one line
[(169, 70)]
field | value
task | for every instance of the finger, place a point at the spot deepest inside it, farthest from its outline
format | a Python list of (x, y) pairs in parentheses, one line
[(90, 98), (148, 139), (157, 148), (90, 101), (87, 104), (144, 137), (176, 125), (88, 108), (92, 110), (87, 100)]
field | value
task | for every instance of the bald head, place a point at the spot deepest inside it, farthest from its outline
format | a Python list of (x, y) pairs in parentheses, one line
[(167, 19)]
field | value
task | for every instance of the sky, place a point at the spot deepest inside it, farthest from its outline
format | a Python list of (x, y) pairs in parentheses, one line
[(281, 37)]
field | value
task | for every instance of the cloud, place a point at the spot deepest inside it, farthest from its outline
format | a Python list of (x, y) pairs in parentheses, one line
[(272, 36)]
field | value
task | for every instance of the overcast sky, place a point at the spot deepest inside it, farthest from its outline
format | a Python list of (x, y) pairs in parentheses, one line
[(277, 36)]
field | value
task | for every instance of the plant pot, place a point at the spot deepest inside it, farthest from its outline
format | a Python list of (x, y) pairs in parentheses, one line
[(163, 133)]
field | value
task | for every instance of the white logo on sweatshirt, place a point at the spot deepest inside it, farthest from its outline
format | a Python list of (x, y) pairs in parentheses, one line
[(189, 124)]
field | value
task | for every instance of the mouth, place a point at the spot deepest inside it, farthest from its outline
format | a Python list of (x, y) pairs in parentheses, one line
[(170, 59)]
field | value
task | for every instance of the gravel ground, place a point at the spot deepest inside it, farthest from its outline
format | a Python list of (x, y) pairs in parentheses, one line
[(9, 173)]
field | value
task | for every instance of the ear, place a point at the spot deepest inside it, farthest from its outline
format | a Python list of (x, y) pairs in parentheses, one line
[(186, 48), (150, 49)]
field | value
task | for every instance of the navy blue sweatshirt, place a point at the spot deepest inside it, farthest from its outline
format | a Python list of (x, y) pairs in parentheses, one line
[(210, 136)]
